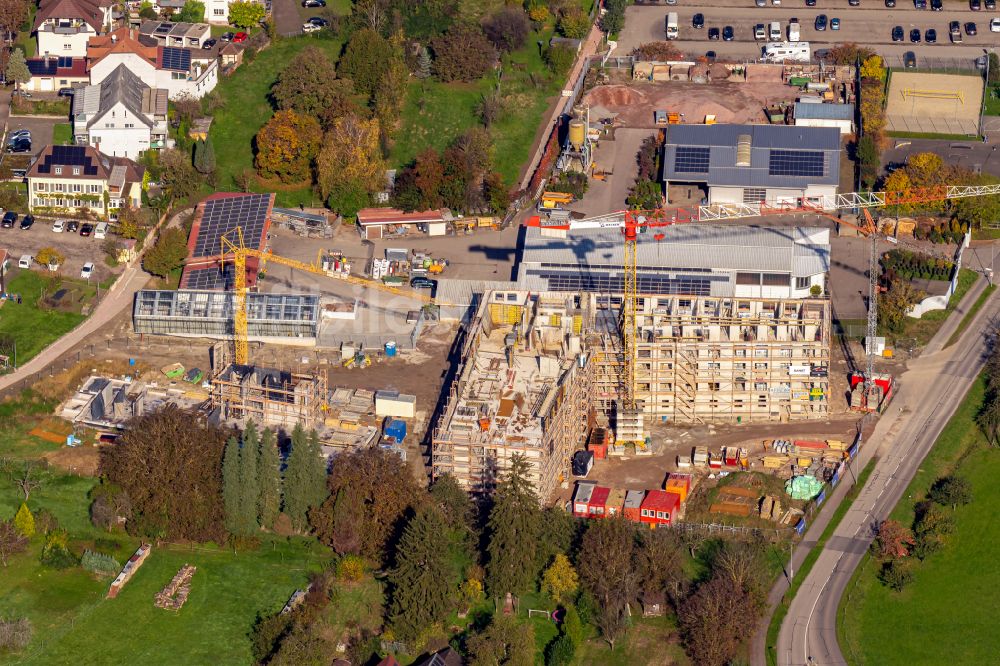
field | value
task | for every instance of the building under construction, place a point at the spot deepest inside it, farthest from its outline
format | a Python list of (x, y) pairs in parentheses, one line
[(540, 369), (269, 397)]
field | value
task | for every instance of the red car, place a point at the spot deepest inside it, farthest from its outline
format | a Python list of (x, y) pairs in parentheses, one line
[(240, 37)]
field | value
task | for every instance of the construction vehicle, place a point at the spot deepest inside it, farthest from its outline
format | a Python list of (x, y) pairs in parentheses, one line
[(359, 360), (664, 118), (633, 222), (235, 246), (552, 200)]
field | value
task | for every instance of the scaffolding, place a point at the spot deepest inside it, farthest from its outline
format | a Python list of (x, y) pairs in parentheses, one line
[(269, 397)]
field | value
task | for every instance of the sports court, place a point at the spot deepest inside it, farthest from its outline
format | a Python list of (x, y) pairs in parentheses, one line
[(934, 103)]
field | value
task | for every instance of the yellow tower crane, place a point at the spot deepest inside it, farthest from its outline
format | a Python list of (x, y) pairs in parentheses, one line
[(234, 246)]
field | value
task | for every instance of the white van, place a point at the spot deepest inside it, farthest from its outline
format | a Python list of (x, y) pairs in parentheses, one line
[(101, 230), (793, 31), (787, 52), (774, 32), (25, 261), (672, 25)]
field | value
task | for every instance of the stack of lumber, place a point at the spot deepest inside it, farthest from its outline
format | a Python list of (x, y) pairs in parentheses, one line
[(173, 596)]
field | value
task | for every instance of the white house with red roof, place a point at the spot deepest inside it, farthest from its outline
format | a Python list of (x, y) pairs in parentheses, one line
[(63, 27)]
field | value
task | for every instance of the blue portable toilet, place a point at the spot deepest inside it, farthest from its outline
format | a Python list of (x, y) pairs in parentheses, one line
[(396, 428), (390, 349)]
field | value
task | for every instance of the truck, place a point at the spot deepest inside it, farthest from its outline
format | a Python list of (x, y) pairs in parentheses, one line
[(787, 52), (672, 25)]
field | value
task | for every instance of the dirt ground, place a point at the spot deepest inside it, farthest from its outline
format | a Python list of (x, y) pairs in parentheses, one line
[(633, 104), (932, 111)]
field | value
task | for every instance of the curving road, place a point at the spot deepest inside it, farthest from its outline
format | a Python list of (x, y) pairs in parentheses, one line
[(930, 392)]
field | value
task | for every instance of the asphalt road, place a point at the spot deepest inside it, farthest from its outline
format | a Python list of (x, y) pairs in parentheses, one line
[(972, 155), (930, 392), (870, 24)]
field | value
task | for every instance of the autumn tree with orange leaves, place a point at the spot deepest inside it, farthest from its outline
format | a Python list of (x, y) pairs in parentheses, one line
[(287, 146)]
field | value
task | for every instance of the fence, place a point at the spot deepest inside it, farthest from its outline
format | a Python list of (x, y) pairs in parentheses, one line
[(939, 65)]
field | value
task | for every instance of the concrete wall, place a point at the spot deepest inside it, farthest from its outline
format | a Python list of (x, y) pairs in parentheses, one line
[(845, 126)]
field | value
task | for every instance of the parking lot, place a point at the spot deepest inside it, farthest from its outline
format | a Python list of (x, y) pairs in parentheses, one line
[(40, 128), (76, 248), (869, 24)]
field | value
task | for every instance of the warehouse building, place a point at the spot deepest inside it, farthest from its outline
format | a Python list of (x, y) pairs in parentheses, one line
[(748, 164), (692, 259), (840, 116)]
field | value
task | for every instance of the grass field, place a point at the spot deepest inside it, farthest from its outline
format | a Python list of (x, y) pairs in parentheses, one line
[(948, 613), (971, 314), (62, 134), (34, 326)]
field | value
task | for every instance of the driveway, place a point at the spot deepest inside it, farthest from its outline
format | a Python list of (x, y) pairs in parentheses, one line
[(287, 21)]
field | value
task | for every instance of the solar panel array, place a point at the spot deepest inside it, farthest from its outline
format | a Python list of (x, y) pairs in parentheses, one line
[(174, 58), (64, 61), (691, 159), (220, 216), (68, 156), (796, 163), (209, 278)]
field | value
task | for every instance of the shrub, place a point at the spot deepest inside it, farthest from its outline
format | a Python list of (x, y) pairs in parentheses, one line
[(351, 568), (560, 652), (99, 563), (559, 59), (15, 634), (55, 552), (24, 521), (896, 574), (815, 290)]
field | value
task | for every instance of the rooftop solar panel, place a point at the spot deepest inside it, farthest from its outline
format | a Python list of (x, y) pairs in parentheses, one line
[(174, 58), (796, 163), (691, 159), (221, 216), (68, 156), (209, 278)]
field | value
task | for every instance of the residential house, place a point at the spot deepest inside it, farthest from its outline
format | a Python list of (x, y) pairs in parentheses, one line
[(216, 11), (50, 73), (179, 71), (63, 27), (121, 116), (180, 35), (70, 179), (445, 657)]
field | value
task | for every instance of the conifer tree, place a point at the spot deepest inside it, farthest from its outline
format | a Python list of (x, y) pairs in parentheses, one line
[(424, 64), (316, 487), (305, 477), (231, 485), (249, 485), (24, 521), (269, 478), (204, 157), (513, 528), (424, 580)]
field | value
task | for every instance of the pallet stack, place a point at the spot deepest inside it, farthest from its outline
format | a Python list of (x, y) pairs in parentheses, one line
[(173, 596)]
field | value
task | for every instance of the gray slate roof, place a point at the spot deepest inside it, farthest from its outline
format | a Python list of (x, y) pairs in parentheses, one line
[(119, 86), (688, 247), (824, 111), (722, 141)]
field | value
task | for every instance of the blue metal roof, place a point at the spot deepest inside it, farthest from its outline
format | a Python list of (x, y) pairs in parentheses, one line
[(722, 142), (824, 111)]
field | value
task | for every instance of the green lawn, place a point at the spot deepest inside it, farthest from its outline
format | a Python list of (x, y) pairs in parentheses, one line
[(971, 314), (62, 134), (991, 106), (924, 328), (247, 108), (33, 325), (933, 135), (435, 113), (948, 614)]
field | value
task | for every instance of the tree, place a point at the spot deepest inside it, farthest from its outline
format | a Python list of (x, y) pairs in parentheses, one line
[(607, 571), (573, 23), (873, 68), (560, 652), (868, 156), (344, 533), (287, 146), (204, 157), (661, 51), (24, 521), (350, 165), (17, 69), (953, 490), (614, 16), (169, 463), (561, 532), (661, 562), (645, 195), (925, 169), (12, 541), (177, 175), (246, 14), (513, 532), (496, 193), (424, 63), (424, 581), (463, 54), (896, 574), (249, 493), (892, 540), (109, 505), (374, 13), (931, 525), (713, 621), (167, 254), (384, 490), (366, 60), (507, 29), (429, 174), (269, 478), (231, 485), (572, 626), (49, 256), (193, 11), (849, 53), (453, 501), (560, 580), (975, 211), (305, 477), (13, 14), (26, 475), (389, 95), (559, 59), (894, 304), (306, 84), (504, 642), (130, 222), (146, 11), (742, 564), (993, 67)]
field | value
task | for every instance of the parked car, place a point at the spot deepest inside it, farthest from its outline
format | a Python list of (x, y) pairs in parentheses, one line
[(776, 3), (309, 27), (890, 3), (713, 33), (20, 132), (19, 145), (314, 3), (759, 33), (86, 229), (760, 3), (423, 283), (930, 36), (835, 23), (995, 24), (27, 221), (727, 33), (58, 226), (975, 5), (810, 3), (990, 4), (710, 56), (9, 218), (698, 21), (66, 92), (920, 4), (87, 270), (821, 22), (240, 37), (970, 29), (25, 261), (897, 33), (72, 226), (937, 5), (915, 35), (227, 36), (854, 3), (209, 43), (318, 20), (909, 60)]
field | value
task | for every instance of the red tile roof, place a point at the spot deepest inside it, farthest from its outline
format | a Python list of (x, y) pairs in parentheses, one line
[(379, 216)]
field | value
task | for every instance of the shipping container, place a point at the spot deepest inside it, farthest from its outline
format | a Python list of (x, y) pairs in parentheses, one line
[(633, 504), (581, 498), (659, 508)]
